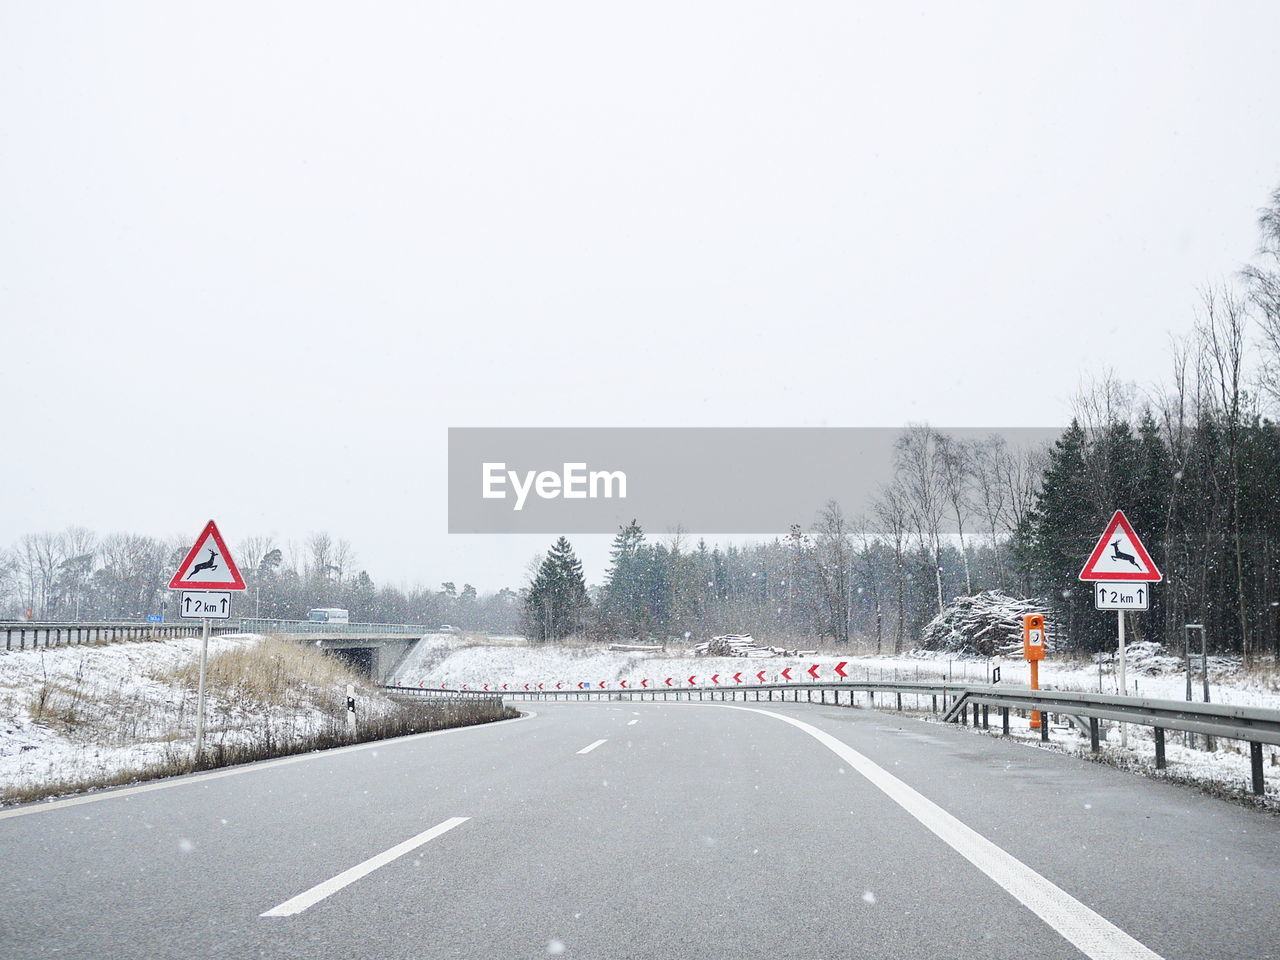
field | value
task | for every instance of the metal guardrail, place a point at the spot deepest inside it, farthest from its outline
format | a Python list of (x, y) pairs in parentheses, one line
[(262, 625), (756, 692), (21, 634), (1255, 725)]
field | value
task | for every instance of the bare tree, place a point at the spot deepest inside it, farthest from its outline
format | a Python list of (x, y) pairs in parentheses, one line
[(1222, 348), (919, 467), (955, 473), (831, 538), (892, 511), (989, 460)]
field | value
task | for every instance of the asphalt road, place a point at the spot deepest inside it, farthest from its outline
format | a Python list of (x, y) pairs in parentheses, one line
[(684, 831)]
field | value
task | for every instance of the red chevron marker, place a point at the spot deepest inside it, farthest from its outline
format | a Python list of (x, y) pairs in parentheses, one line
[(603, 684), (539, 686), (668, 681), (737, 678), (526, 686), (486, 686), (715, 678), (504, 686), (464, 686), (443, 687), (581, 686), (644, 683), (786, 674), (422, 684), (691, 681), (559, 684), (813, 671), (760, 677), (622, 683), (840, 669)]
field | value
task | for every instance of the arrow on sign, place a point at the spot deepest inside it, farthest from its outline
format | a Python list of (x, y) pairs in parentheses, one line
[(464, 686), (813, 671), (691, 681), (583, 686), (622, 683), (603, 684), (786, 674), (526, 686), (559, 684), (760, 677), (715, 678), (668, 681), (839, 668), (737, 678), (644, 683), (486, 686), (504, 686), (539, 686)]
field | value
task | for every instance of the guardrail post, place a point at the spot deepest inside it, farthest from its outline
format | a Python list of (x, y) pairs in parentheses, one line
[(871, 699), (986, 717), (975, 716), (1004, 720), (1093, 734), (899, 701), (1159, 732), (1255, 762), (1044, 727)]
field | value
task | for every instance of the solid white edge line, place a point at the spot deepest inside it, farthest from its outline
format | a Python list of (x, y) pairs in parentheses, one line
[(44, 806), (591, 746), (1092, 934), (307, 898)]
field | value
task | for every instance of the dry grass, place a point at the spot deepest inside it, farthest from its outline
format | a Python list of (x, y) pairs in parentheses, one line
[(271, 673)]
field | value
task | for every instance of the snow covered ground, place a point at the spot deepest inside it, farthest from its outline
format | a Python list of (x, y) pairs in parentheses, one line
[(77, 714), (454, 661)]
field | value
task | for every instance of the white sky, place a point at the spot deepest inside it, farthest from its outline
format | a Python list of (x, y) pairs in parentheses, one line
[(255, 258)]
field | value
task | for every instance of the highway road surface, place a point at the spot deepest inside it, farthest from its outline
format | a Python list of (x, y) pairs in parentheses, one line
[(649, 830)]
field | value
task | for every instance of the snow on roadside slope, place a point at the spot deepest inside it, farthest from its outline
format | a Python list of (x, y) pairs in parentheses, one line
[(451, 661), (83, 712)]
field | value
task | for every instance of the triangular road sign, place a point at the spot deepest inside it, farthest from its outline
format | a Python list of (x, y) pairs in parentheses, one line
[(1120, 555), (208, 565)]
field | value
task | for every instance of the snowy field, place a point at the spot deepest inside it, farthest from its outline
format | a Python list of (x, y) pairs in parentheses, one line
[(454, 661), (80, 713)]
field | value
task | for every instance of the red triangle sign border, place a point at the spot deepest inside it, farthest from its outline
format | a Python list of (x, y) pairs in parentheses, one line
[(236, 582), (1121, 522)]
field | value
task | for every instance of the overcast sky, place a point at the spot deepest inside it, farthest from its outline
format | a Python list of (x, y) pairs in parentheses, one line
[(255, 258)]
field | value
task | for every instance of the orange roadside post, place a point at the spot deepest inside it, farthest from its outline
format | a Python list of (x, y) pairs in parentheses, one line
[(1033, 651)]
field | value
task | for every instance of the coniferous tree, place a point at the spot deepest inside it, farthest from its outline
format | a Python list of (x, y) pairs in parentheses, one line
[(557, 602)]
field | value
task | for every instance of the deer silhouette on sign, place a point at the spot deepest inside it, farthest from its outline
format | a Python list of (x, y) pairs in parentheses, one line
[(210, 564), (1118, 554)]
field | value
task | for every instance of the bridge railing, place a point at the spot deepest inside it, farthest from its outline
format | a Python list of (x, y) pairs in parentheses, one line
[(262, 625), (29, 634)]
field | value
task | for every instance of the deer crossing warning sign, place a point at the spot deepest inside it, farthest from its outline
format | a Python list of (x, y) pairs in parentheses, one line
[(208, 565), (1120, 556)]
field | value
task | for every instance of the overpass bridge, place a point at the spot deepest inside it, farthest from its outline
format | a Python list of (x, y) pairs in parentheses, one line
[(372, 649)]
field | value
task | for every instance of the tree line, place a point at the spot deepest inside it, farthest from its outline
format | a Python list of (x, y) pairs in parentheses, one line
[(76, 574)]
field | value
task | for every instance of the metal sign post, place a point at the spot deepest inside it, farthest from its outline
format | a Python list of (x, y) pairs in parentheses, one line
[(204, 661)]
